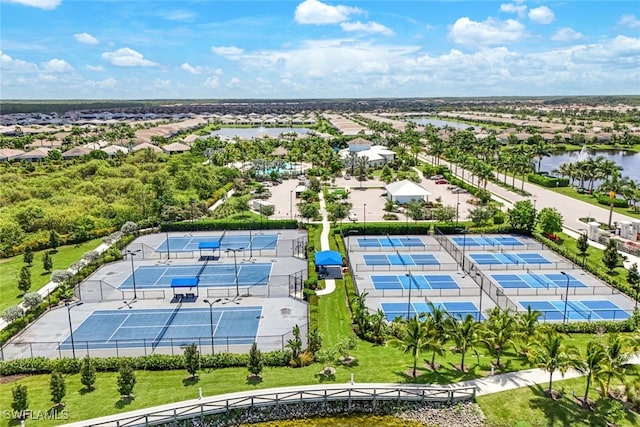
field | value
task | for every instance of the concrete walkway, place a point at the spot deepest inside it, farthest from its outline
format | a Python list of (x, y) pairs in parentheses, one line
[(329, 284)]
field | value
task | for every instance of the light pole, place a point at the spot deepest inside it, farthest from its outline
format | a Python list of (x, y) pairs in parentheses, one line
[(69, 307), (464, 244), (133, 272), (364, 220), (408, 274), (211, 318), (457, 207), (191, 202), (235, 266), (566, 296), (166, 233), (291, 204)]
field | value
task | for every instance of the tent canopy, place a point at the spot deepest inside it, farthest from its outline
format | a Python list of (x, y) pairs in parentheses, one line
[(328, 258), (209, 245), (184, 282)]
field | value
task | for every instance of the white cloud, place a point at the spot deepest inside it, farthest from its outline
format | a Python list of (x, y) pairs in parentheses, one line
[(161, 83), (368, 27), (176, 15), (566, 34), (40, 4), (85, 38), (105, 83), (189, 69), (316, 12), (56, 66), (629, 20), (542, 15), (519, 9), (95, 68), (7, 63), (233, 82), (227, 50), (126, 57), (212, 82), (490, 32)]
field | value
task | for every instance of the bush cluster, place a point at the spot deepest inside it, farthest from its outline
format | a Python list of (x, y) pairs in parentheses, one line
[(604, 199), (220, 225), (548, 181)]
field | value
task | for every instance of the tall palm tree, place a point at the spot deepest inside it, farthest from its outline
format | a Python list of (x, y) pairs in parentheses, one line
[(527, 324), (540, 149), (413, 339), (498, 331), (549, 353), (592, 367), (437, 320), (617, 358), (464, 335)]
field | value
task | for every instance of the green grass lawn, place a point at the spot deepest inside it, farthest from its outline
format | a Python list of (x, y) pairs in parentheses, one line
[(10, 269), (530, 407)]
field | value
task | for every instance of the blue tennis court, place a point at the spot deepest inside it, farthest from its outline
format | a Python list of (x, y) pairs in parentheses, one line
[(429, 281), (456, 309), (531, 280), (390, 242), (192, 243), (209, 275), (584, 310), (470, 241), (165, 327), (504, 258), (400, 259)]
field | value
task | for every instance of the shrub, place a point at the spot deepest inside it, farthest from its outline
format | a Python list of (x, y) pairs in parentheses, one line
[(60, 276), (255, 363), (548, 181), (604, 199), (88, 373), (31, 299), (12, 313)]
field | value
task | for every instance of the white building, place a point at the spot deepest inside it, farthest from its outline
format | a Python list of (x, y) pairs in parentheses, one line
[(403, 192)]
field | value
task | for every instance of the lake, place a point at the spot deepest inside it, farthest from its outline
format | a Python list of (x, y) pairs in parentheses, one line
[(248, 133), (629, 160), (440, 123)]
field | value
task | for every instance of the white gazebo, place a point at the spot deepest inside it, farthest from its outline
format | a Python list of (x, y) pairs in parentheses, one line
[(403, 192)]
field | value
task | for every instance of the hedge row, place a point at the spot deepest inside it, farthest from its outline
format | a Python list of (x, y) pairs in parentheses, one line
[(598, 327), (154, 362), (604, 199), (382, 228), (480, 193), (548, 181), (220, 225)]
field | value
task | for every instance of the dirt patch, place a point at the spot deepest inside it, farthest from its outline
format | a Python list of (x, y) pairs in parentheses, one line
[(6, 379)]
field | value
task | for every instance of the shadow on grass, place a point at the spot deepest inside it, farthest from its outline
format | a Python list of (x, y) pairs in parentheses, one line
[(190, 381), (444, 375), (84, 391), (564, 411), (124, 402), (254, 379)]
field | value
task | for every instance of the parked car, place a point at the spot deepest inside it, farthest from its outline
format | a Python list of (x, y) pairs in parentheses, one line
[(267, 184), (442, 181), (434, 177), (353, 216), (459, 190), (347, 176)]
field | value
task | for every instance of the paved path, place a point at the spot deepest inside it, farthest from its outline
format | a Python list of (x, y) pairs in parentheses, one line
[(329, 284)]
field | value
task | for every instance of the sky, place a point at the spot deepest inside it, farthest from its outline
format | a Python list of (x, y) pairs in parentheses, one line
[(207, 49)]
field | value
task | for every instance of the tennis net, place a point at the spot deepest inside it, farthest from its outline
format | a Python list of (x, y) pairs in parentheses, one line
[(165, 328), (538, 279), (401, 259), (510, 257), (224, 232), (390, 241)]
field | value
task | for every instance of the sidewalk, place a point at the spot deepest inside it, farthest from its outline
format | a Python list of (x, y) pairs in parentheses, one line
[(329, 284)]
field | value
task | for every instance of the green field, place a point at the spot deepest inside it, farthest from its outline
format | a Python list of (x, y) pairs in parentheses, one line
[(10, 269)]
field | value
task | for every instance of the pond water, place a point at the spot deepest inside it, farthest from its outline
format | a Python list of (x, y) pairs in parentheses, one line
[(248, 133), (629, 160), (440, 123)]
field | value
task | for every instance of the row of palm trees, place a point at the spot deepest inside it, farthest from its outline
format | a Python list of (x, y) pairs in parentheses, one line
[(539, 345)]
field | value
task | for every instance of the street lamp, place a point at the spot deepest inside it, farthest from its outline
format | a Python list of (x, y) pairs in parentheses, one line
[(166, 233), (408, 274), (191, 202), (133, 272), (364, 220), (566, 297), (480, 306), (250, 240), (457, 206), (69, 307), (464, 245), (235, 266), (291, 204), (211, 318)]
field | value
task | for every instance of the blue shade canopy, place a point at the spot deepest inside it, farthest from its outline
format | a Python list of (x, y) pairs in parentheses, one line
[(328, 258), (209, 245), (184, 282)]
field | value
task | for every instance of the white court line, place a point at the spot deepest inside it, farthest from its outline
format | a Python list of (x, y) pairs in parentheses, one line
[(118, 328)]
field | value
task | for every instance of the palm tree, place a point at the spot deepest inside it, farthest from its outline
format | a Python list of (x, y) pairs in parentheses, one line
[(527, 324), (413, 339), (464, 335), (591, 366), (437, 321), (617, 357), (497, 332), (549, 353), (540, 149)]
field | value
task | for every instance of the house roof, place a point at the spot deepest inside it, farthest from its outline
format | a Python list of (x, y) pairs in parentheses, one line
[(114, 149), (77, 152), (8, 153), (144, 145), (38, 153), (406, 188), (175, 147)]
